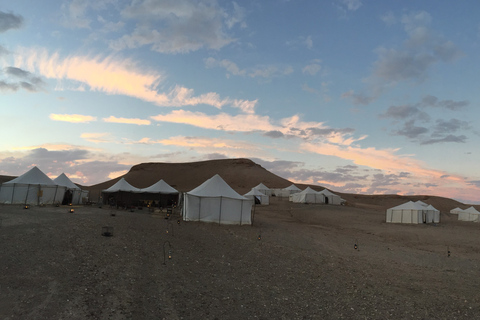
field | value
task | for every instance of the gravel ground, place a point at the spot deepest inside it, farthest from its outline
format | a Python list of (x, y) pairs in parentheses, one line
[(57, 265)]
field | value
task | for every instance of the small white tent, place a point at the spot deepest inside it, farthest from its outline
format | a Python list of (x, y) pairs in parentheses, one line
[(161, 192), (409, 212), (73, 193), (257, 194), (264, 189), (457, 210), (432, 215), (286, 192), (215, 201), (120, 194), (32, 187), (307, 196), (469, 214), (331, 198)]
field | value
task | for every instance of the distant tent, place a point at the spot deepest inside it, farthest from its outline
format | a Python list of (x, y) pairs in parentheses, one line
[(121, 194), (161, 192), (433, 215), (286, 192), (32, 187), (256, 194), (331, 198), (73, 193), (409, 212), (469, 214), (457, 210), (307, 196), (215, 201), (264, 189)]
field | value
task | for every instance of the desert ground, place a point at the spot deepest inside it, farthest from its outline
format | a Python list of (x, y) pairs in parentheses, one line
[(297, 261)]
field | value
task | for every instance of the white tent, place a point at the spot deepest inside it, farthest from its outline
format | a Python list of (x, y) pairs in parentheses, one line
[(432, 215), (32, 187), (73, 193), (215, 201), (121, 193), (286, 192), (409, 212), (307, 196), (457, 210), (161, 192), (264, 189), (470, 214), (257, 194), (331, 198)]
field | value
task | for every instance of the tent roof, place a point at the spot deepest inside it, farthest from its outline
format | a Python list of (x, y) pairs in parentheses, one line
[(292, 187), (430, 207), (160, 187), (254, 192), (327, 192), (33, 176), (261, 186), (63, 180), (457, 209), (423, 204), (215, 187), (410, 205), (122, 185), (308, 190), (471, 210)]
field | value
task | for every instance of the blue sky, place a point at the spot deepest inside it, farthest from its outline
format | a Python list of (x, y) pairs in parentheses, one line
[(364, 97)]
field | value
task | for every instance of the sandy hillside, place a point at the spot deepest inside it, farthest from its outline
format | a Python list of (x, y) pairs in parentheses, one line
[(56, 265)]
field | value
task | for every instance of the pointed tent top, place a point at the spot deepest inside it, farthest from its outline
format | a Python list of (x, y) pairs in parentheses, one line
[(160, 187), (33, 176), (409, 205), (292, 188), (423, 204), (456, 210), (261, 186), (254, 192), (63, 180), (215, 187), (471, 210), (308, 190), (122, 185), (430, 207), (326, 192)]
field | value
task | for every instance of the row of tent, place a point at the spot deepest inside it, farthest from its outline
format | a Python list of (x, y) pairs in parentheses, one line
[(469, 214), (413, 212), (34, 188)]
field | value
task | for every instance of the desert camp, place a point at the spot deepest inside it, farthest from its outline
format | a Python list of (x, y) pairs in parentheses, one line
[(271, 261)]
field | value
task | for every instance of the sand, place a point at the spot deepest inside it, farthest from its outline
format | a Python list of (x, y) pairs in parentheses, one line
[(57, 265)]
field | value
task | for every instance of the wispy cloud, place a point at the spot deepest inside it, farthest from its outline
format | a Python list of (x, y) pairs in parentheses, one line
[(259, 71), (9, 21), (141, 122), (98, 137), (73, 118)]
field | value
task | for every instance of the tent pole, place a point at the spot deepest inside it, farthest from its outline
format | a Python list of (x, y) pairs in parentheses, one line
[(55, 195), (13, 192), (199, 207), (26, 197), (241, 210), (220, 213)]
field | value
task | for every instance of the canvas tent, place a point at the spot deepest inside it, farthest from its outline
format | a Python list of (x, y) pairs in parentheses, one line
[(257, 196), (215, 201), (160, 192), (121, 194), (73, 193), (457, 210), (469, 214), (264, 189), (409, 212), (331, 198), (32, 187), (307, 196), (286, 192), (430, 214)]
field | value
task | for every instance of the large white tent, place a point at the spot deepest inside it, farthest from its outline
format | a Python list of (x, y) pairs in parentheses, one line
[(469, 214), (162, 192), (307, 196), (215, 201), (257, 194), (121, 193), (409, 212), (32, 187), (331, 198), (73, 193), (264, 189)]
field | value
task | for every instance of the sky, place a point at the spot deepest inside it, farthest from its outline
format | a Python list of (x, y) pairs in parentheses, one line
[(370, 97)]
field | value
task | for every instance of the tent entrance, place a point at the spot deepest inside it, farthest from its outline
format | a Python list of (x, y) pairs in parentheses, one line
[(67, 197), (326, 200)]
